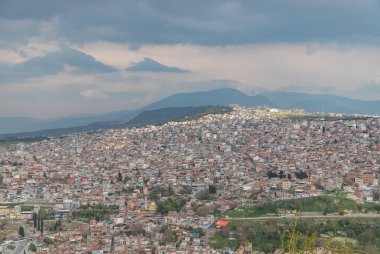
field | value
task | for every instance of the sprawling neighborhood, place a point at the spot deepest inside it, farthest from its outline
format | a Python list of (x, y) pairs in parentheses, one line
[(166, 189)]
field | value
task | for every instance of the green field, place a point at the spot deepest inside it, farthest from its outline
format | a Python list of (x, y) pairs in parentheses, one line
[(326, 204)]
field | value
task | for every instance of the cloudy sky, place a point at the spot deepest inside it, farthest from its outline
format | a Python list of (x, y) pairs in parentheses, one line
[(73, 57)]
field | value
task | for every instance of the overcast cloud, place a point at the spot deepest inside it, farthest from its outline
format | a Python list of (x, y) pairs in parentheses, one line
[(67, 57)]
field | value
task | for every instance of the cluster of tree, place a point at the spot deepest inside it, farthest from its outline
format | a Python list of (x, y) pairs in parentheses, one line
[(281, 174), (207, 194), (57, 225), (301, 174), (98, 212), (48, 241), (203, 210), (169, 235), (170, 204), (135, 228), (38, 222), (185, 190), (158, 192)]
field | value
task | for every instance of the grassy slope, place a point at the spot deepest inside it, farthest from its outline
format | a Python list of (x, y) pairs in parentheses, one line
[(266, 235), (326, 203)]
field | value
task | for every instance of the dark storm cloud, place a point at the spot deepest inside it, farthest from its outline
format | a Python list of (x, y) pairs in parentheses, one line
[(52, 63), (213, 22)]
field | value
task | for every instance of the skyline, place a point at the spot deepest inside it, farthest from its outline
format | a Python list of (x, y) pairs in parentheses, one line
[(90, 57)]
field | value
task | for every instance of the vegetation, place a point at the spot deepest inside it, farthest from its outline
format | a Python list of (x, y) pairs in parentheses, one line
[(46, 213), (7, 229), (158, 192), (32, 247), (56, 226), (303, 236), (169, 236), (42, 226), (98, 212), (179, 114), (293, 241), (210, 110), (207, 194), (25, 208), (119, 177), (185, 190), (221, 242), (11, 247), (170, 204), (325, 203), (34, 217), (21, 231)]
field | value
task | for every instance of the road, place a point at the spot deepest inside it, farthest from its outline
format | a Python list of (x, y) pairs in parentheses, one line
[(21, 246), (359, 215)]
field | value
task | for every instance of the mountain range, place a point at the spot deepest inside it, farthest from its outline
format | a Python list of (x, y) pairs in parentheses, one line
[(220, 97)]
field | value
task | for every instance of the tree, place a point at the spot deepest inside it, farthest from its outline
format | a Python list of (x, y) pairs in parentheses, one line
[(38, 223), (212, 189), (42, 227), (57, 225), (35, 220), (137, 228), (169, 236), (202, 195), (301, 175), (185, 190), (32, 247), (112, 248), (21, 231), (119, 177)]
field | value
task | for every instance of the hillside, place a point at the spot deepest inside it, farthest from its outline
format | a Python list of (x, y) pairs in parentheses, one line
[(161, 116), (150, 117)]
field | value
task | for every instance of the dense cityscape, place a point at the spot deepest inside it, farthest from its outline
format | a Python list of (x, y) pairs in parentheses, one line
[(174, 188), (189, 127)]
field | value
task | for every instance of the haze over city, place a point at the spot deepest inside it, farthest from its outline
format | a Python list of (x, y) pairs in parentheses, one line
[(60, 58)]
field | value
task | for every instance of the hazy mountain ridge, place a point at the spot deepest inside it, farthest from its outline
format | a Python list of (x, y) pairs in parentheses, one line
[(218, 97), (28, 124), (323, 103), (223, 97), (144, 118)]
